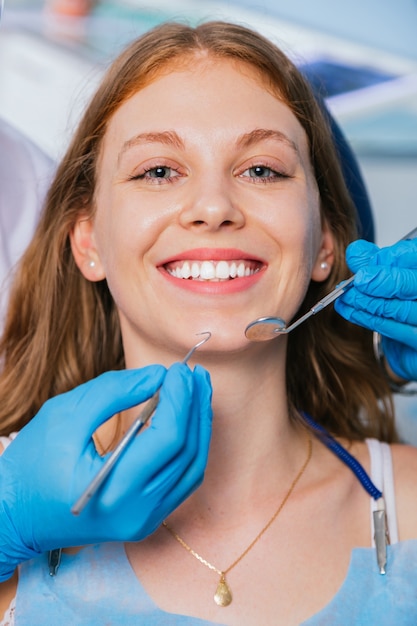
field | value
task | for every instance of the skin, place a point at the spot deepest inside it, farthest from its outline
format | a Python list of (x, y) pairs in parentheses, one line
[(210, 205), (207, 204)]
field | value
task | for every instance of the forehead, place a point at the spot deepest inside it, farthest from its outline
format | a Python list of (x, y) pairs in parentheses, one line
[(203, 64), (206, 96)]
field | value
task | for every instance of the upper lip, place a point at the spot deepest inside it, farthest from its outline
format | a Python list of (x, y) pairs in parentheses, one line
[(212, 254)]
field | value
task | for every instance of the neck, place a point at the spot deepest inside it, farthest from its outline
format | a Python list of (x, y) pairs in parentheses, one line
[(255, 449)]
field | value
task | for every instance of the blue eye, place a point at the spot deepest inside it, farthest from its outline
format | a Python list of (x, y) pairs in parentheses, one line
[(159, 172), (263, 173), (157, 175), (260, 171)]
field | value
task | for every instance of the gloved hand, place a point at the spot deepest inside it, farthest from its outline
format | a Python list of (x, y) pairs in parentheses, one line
[(53, 459), (384, 298)]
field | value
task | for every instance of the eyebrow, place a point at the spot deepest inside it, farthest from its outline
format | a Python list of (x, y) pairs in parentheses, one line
[(166, 137), (260, 134), (171, 138)]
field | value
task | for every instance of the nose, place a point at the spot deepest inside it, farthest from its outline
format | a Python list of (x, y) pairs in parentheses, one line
[(213, 206)]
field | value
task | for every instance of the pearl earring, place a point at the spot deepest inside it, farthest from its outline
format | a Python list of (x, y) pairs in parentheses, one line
[(92, 264), (324, 265)]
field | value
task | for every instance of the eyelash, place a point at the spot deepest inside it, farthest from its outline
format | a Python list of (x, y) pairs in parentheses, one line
[(265, 179), (160, 179)]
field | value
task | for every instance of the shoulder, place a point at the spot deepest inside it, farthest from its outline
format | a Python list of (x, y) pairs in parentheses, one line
[(404, 460), (404, 466)]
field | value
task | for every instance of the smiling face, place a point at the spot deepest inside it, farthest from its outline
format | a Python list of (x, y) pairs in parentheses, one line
[(207, 210)]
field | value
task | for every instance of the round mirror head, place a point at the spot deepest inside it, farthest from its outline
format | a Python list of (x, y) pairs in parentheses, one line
[(265, 328)]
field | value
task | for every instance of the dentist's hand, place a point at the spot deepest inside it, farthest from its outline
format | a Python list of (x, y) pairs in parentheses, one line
[(384, 299), (53, 459)]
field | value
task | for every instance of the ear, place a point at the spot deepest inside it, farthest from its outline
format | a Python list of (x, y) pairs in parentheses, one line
[(325, 257), (84, 249)]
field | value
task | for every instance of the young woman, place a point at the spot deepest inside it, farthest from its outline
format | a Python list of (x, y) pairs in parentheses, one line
[(200, 192)]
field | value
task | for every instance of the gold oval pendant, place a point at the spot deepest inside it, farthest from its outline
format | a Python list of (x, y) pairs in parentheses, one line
[(223, 595)]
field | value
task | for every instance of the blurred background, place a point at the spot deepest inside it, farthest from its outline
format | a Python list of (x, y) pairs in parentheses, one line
[(362, 55)]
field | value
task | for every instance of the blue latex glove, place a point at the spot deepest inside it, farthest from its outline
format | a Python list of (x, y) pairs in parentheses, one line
[(53, 459), (384, 298)]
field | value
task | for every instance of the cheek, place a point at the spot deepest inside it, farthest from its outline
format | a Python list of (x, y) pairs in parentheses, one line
[(304, 236), (313, 236), (122, 228), (128, 236), (313, 222), (301, 226)]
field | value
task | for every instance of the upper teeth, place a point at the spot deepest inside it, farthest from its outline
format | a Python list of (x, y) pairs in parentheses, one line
[(211, 270)]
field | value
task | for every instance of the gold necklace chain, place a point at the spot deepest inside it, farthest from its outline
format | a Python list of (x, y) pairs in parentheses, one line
[(223, 595), (100, 447)]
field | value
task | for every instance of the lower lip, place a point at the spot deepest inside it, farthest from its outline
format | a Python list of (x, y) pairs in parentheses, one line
[(220, 287)]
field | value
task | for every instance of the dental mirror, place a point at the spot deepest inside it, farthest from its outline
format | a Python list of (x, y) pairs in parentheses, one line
[(266, 328)]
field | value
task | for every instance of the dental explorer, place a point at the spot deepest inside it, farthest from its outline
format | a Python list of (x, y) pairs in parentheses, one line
[(137, 425)]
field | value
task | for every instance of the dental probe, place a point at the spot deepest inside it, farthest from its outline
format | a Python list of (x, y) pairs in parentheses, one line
[(137, 425), (266, 328)]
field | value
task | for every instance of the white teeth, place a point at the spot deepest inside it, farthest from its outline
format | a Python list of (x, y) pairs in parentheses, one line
[(186, 270), (207, 270), (212, 270), (222, 269)]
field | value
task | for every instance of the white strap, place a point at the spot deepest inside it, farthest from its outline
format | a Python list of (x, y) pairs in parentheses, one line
[(389, 492), (383, 478), (5, 441)]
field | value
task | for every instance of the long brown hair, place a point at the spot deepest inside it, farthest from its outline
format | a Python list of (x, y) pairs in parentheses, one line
[(62, 330)]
